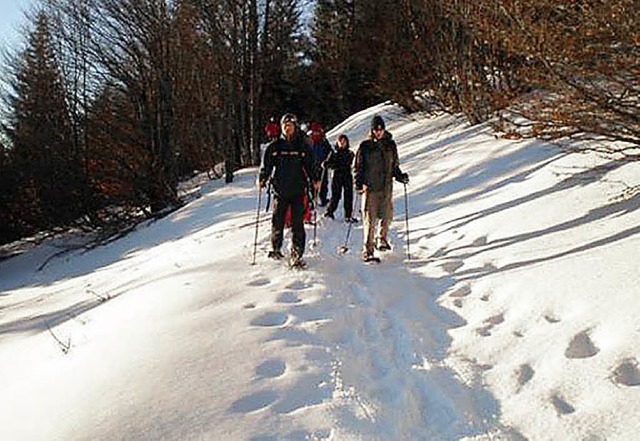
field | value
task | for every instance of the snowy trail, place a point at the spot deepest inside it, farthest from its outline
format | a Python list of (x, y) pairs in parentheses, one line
[(385, 340), (389, 340)]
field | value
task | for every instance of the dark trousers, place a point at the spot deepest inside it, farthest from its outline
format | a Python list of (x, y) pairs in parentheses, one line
[(340, 183), (324, 187), (297, 223)]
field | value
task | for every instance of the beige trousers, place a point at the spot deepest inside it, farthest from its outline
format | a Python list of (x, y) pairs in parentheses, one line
[(376, 206)]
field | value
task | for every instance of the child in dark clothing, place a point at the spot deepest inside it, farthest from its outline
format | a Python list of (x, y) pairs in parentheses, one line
[(340, 161)]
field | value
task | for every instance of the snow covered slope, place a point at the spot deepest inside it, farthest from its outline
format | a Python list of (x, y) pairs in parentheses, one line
[(516, 317)]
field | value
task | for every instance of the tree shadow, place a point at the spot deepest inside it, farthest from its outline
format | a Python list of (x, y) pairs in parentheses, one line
[(581, 179), (214, 209), (41, 322), (615, 209)]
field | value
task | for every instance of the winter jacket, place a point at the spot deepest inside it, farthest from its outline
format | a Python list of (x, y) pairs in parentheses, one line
[(272, 130), (340, 160), (377, 164), (289, 165), (321, 150)]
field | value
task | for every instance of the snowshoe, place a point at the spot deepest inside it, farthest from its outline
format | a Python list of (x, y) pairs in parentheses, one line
[(383, 245), (351, 220), (275, 255), (329, 215), (370, 258), (297, 263)]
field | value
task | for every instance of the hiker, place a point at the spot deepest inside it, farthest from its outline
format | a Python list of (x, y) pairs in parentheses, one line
[(289, 166), (340, 161), (272, 129), (321, 148), (376, 166)]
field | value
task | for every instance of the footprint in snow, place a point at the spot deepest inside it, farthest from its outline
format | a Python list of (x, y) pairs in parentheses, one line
[(440, 252), (551, 318), (259, 282), (288, 297), (271, 368), (461, 292), (492, 322), (298, 285), (561, 406), (254, 402), (524, 374), (451, 267), (270, 319), (581, 346), (479, 242), (627, 373)]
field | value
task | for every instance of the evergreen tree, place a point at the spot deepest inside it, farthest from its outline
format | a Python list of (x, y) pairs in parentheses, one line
[(50, 178)]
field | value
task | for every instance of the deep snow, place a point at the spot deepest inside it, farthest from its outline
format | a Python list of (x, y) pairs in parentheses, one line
[(517, 316)]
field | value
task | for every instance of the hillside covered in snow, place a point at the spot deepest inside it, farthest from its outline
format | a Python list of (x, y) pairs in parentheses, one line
[(515, 317)]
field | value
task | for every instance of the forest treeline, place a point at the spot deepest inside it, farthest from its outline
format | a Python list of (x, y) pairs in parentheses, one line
[(108, 104)]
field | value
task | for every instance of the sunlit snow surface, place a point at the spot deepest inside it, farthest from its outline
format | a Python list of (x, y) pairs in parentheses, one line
[(516, 317)]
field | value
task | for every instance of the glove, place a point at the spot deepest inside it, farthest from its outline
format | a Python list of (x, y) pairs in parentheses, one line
[(262, 183), (403, 178)]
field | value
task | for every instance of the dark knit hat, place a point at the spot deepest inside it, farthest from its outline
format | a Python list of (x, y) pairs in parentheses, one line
[(377, 122)]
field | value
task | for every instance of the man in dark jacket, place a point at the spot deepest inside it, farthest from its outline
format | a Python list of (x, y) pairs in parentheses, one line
[(340, 161), (288, 164), (376, 166)]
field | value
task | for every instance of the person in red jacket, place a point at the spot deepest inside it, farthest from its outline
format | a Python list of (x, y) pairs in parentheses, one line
[(272, 129)]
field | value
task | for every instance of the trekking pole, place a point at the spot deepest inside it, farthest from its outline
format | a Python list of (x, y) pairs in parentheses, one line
[(406, 219), (315, 215), (315, 205), (255, 238), (344, 248)]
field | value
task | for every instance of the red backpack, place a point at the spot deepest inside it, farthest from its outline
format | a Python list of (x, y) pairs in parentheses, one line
[(306, 216)]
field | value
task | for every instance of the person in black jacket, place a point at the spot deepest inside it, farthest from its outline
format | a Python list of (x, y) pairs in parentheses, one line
[(289, 165), (321, 149), (376, 166), (340, 161)]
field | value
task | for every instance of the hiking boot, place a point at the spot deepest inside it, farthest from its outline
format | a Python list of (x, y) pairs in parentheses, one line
[(368, 257), (296, 260), (298, 263), (329, 215), (383, 245), (275, 255)]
